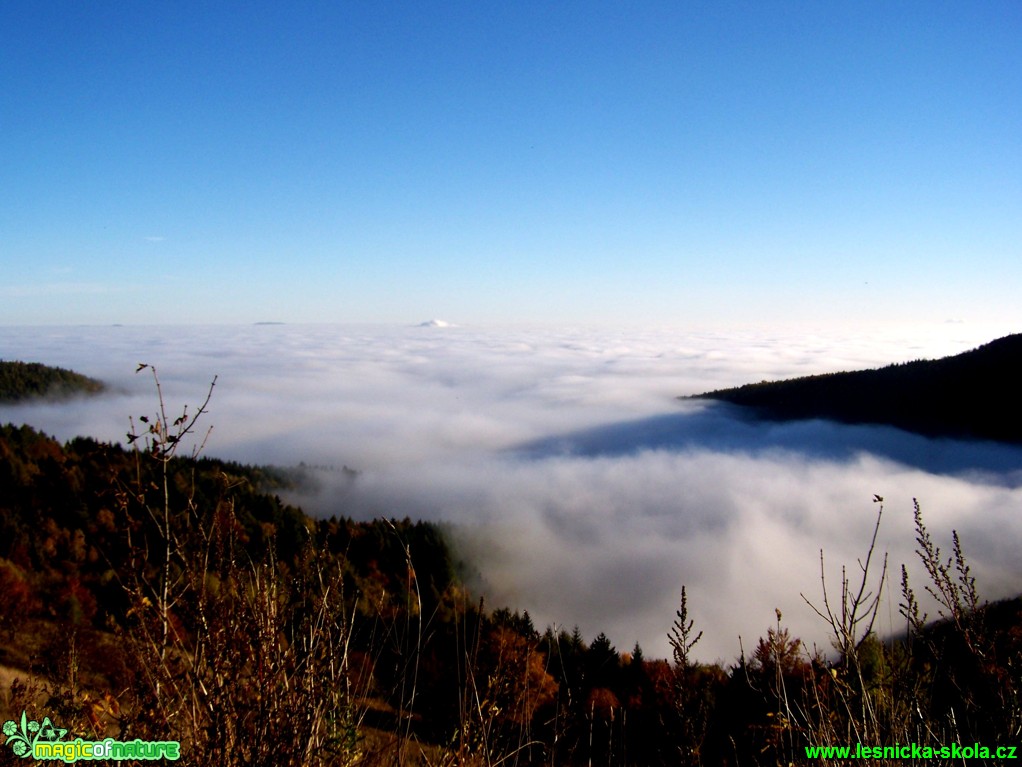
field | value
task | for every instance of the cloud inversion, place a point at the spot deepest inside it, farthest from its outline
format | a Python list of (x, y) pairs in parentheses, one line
[(582, 489)]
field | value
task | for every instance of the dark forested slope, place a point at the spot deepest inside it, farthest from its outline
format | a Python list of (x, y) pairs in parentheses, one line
[(29, 380), (970, 395)]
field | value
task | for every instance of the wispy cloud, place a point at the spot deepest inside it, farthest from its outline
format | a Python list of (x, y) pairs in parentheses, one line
[(585, 491)]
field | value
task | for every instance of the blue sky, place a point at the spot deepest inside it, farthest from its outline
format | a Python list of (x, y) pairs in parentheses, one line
[(651, 163)]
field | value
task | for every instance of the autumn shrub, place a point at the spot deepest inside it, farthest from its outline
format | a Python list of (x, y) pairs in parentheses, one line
[(241, 657), (18, 598)]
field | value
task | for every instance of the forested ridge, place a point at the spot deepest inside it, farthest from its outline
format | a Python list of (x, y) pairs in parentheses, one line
[(30, 380), (969, 395), (157, 595)]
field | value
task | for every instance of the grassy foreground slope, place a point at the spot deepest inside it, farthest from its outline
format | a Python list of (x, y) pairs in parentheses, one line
[(31, 380), (970, 395)]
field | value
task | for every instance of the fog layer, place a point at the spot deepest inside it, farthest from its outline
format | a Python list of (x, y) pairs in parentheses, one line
[(576, 482)]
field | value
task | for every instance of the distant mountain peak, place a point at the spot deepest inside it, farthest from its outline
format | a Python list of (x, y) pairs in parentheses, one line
[(435, 324)]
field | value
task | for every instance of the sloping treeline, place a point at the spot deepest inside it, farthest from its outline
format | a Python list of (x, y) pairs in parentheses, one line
[(146, 595), (970, 395), (32, 380)]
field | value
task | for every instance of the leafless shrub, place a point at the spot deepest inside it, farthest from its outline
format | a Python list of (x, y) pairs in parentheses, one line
[(244, 661)]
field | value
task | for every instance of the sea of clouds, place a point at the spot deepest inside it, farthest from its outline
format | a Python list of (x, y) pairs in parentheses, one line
[(574, 480)]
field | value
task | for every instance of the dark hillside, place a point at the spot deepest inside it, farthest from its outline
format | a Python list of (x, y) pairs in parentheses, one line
[(82, 495), (30, 380), (969, 395)]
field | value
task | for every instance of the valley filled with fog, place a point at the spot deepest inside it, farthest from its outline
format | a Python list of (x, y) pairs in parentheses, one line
[(573, 479)]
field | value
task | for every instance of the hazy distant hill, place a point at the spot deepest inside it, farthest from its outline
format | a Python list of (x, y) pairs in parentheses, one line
[(974, 395), (29, 380)]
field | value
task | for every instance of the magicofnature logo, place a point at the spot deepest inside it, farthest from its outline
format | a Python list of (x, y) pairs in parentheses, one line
[(22, 741), (44, 741)]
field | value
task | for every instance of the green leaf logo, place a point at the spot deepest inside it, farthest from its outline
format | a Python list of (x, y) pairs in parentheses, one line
[(22, 738)]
